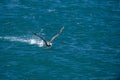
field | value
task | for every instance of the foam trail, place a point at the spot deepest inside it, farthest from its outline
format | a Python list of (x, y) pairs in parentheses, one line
[(40, 43)]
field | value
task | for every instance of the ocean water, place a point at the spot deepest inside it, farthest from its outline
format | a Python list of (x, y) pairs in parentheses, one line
[(87, 49)]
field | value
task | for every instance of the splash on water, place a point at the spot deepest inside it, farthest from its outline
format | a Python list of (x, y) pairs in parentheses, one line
[(40, 43), (32, 41)]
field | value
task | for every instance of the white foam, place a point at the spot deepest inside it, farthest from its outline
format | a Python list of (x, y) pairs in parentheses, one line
[(40, 43), (51, 10)]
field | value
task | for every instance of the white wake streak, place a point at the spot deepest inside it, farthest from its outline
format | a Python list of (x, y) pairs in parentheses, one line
[(40, 43)]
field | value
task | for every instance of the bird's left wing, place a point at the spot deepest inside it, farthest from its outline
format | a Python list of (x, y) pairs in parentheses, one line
[(40, 37)]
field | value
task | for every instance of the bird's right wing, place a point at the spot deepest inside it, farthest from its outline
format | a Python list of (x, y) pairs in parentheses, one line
[(57, 34), (40, 37)]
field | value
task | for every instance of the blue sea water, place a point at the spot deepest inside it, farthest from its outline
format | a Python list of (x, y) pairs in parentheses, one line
[(88, 48)]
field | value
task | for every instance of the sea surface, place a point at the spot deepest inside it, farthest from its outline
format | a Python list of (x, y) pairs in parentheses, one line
[(87, 49)]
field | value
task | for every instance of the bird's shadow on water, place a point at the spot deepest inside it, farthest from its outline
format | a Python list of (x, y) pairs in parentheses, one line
[(51, 49), (48, 49)]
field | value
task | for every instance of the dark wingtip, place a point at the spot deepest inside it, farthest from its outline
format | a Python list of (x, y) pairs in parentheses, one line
[(34, 33)]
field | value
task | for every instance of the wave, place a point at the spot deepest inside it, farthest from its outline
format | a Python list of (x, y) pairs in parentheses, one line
[(31, 41)]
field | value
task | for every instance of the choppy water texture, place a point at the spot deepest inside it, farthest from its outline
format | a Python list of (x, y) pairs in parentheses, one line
[(88, 48)]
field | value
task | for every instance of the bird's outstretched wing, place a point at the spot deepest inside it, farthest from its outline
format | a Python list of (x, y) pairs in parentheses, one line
[(56, 35), (40, 37)]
